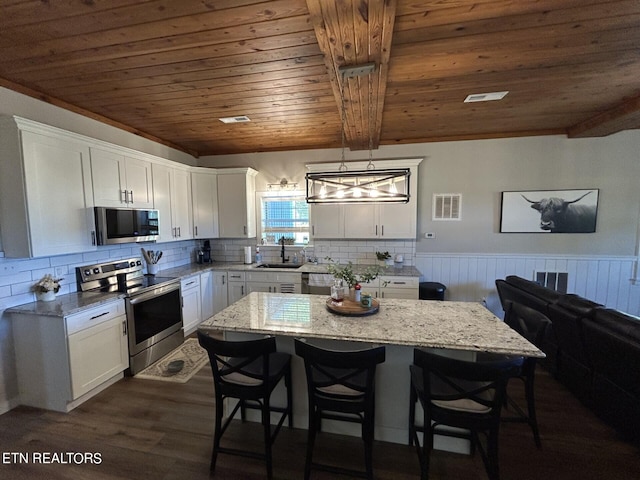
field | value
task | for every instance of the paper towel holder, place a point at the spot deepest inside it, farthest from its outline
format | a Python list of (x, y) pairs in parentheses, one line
[(247, 255)]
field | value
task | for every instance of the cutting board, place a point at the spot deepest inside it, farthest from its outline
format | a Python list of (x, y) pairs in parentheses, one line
[(349, 308)]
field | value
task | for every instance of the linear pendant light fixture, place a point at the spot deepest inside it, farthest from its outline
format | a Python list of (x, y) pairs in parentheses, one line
[(358, 186)]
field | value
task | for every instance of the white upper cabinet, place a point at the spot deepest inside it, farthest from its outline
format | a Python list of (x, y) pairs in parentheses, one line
[(327, 221), (204, 191), (236, 202), (368, 220), (46, 194), (120, 180), (172, 199)]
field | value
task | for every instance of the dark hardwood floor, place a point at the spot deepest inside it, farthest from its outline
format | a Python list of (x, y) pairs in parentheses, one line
[(163, 431)]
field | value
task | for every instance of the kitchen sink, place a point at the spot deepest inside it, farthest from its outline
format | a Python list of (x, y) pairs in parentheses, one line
[(279, 265)]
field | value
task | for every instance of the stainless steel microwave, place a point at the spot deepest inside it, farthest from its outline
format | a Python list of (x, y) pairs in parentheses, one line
[(124, 225)]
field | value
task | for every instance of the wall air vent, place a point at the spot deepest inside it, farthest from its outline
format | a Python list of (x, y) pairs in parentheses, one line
[(447, 206), (485, 97), (554, 280), (239, 119)]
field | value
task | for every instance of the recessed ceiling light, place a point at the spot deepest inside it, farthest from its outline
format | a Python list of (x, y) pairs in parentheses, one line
[(485, 97), (239, 119)]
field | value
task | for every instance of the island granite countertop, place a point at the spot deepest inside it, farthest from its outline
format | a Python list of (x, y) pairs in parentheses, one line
[(465, 326)]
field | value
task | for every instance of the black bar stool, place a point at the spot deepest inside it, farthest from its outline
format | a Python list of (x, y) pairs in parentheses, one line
[(249, 372), (341, 386), (461, 394)]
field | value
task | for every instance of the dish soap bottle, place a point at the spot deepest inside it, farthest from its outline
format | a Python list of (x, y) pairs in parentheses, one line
[(295, 258), (258, 255)]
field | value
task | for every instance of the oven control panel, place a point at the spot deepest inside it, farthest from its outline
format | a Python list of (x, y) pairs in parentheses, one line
[(100, 271)]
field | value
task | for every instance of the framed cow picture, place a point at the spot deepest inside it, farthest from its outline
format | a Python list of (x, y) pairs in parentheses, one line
[(549, 211)]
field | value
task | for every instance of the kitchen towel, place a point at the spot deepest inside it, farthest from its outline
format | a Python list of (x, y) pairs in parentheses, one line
[(320, 280), (247, 255)]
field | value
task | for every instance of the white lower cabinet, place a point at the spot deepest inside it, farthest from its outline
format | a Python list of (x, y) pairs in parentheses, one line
[(191, 304), (220, 288), (236, 289), (399, 287), (274, 282), (63, 361)]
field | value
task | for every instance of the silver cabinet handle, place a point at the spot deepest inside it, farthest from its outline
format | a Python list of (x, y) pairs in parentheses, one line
[(196, 230), (376, 229), (223, 280), (124, 328), (382, 230), (93, 237), (131, 195), (123, 196), (242, 289), (179, 232), (99, 315), (313, 229), (245, 229)]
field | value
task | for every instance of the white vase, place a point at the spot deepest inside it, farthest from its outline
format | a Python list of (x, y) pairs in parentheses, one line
[(46, 296)]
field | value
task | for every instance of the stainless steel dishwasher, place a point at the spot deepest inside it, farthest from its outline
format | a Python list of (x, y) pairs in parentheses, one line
[(317, 283)]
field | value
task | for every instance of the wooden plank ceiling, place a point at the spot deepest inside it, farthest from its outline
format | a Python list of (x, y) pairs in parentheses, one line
[(169, 70)]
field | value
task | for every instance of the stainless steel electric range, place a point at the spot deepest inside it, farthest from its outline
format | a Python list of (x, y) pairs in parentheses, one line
[(153, 305)]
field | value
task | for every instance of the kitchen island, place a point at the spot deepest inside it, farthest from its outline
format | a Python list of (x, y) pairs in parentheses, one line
[(459, 329)]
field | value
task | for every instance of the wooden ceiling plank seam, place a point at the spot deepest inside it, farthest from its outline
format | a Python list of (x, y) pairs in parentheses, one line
[(386, 41), (72, 49), (251, 60), (124, 62), (621, 117), (87, 113), (360, 14), (324, 34), (136, 23), (198, 78), (497, 24)]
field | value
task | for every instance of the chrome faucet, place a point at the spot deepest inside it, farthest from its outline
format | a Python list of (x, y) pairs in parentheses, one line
[(284, 259)]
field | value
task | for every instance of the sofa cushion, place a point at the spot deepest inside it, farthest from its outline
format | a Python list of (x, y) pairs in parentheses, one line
[(534, 288), (626, 325), (577, 304)]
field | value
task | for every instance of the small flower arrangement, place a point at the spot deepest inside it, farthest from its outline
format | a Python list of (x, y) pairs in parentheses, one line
[(383, 255), (47, 284), (350, 278)]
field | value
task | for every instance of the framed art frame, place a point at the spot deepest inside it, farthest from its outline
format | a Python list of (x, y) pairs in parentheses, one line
[(549, 211)]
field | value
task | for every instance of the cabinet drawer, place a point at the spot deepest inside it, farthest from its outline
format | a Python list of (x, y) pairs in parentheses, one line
[(190, 282), (94, 316), (236, 276), (399, 282), (273, 276)]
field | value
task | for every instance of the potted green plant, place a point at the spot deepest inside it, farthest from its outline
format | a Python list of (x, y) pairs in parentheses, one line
[(349, 277), (384, 258)]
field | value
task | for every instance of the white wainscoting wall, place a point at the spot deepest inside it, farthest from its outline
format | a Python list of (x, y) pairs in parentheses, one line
[(471, 277)]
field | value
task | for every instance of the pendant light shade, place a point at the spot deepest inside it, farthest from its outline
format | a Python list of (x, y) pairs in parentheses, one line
[(363, 186)]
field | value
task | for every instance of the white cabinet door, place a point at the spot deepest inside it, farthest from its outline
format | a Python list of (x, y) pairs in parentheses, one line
[(59, 199), (259, 287), (109, 178), (220, 292), (181, 200), (96, 354), (139, 186), (399, 287), (120, 181), (162, 201), (236, 204), (327, 221), (236, 289), (206, 294), (204, 189), (398, 220), (361, 221), (172, 199), (191, 305)]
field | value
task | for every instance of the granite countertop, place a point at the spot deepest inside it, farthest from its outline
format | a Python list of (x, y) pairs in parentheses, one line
[(65, 305), (76, 302), (195, 268), (453, 325)]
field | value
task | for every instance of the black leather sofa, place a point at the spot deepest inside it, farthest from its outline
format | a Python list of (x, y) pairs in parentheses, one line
[(592, 350)]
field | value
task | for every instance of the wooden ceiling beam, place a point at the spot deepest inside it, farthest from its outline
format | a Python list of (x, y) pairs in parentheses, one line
[(624, 116), (351, 33)]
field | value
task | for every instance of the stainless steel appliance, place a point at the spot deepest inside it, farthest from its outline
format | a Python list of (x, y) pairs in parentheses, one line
[(153, 306), (124, 225)]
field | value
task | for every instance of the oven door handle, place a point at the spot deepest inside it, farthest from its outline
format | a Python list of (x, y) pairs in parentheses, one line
[(156, 292)]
